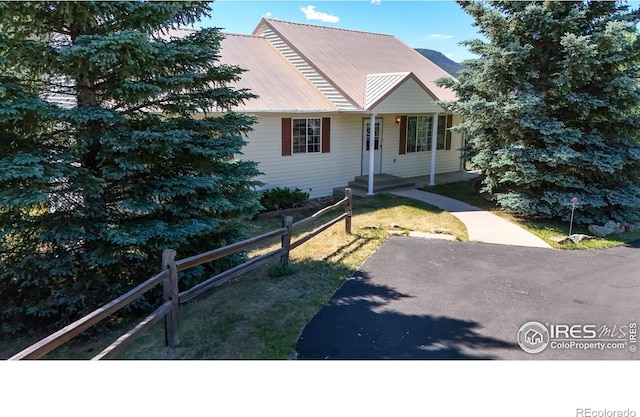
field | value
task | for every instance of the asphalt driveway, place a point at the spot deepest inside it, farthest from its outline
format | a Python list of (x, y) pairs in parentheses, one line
[(433, 299)]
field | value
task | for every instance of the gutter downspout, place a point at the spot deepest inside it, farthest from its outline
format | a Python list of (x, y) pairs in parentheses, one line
[(434, 146), (372, 134)]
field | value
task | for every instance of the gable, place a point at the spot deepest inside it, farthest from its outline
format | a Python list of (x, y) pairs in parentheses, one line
[(407, 97)]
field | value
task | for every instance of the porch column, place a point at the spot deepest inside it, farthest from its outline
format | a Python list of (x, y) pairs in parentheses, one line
[(434, 147), (372, 137)]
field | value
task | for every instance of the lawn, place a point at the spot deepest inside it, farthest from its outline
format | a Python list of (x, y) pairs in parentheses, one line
[(546, 229), (260, 315)]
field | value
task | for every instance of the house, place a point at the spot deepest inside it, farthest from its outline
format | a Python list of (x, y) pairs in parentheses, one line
[(320, 89)]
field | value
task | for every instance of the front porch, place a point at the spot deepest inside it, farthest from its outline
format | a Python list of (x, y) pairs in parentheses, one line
[(386, 182)]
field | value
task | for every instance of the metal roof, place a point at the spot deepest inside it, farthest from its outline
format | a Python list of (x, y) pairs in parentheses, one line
[(347, 57), (379, 85), (297, 68), (279, 85)]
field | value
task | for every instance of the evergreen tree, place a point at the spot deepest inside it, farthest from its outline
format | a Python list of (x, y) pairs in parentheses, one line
[(109, 151), (550, 107)]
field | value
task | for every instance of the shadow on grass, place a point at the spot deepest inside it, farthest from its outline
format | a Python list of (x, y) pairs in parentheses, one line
[(354, 325), (347, 250)]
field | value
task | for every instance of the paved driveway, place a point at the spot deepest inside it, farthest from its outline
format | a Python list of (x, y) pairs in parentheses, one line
[(434, 299)]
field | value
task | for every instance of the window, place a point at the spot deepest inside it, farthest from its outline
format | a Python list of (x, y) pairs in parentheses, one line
[(419, 133), (376, 137), (442, 130), (306, 135)]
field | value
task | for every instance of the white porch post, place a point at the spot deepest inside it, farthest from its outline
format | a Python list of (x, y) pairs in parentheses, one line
[(372, 134), (434, 146)]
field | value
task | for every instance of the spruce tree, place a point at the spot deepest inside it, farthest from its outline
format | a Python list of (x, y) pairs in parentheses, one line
[(110, 151), (550, 107)]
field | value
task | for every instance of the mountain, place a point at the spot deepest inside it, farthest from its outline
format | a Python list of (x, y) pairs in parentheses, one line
[(442, 61)]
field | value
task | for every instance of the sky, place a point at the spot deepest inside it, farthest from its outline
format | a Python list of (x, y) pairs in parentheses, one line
[(438, 25)]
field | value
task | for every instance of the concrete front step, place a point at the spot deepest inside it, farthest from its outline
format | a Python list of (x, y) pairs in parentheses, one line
[(381, 182)]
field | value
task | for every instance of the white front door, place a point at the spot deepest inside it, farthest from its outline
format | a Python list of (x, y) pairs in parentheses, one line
[(377, 146)]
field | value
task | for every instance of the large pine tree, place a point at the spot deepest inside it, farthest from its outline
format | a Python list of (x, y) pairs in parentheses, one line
[(550, 107), (109, 152)]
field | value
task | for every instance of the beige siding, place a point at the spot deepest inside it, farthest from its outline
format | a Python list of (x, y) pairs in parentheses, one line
[(319, 173), (419, 163), (315, 173), (408, 98)]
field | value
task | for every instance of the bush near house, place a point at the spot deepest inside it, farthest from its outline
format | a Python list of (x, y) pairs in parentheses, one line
[(281, 198)]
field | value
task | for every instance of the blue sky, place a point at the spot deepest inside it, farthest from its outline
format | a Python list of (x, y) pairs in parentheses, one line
[(438, 25)]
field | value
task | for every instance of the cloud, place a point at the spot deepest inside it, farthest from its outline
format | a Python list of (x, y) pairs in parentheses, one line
[(376, 2), (267, 15), (311, 14), (436, 36)]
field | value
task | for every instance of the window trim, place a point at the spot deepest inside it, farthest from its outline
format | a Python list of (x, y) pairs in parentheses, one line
[(443, 138), (324, 143), (306, 143)]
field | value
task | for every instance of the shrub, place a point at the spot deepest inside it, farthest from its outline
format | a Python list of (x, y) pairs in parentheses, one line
[(283, 198), (279, 270)]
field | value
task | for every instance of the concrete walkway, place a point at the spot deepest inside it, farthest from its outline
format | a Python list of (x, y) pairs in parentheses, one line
[(482, 226)]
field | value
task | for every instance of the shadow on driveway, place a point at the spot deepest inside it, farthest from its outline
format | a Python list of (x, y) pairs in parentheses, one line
[(354, 325), (434, 299)]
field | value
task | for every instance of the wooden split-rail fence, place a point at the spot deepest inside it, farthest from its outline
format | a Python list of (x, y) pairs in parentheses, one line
[(168, 278)]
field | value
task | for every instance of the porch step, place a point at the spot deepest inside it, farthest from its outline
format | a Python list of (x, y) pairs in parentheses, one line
[(381, 182)]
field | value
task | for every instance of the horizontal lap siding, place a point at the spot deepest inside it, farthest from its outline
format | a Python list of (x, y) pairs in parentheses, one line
[(411, 99), (319, 173), (417, 163), (315, 173), (408, 98)]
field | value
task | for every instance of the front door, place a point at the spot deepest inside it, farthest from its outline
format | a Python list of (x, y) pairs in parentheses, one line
[(377, 146)]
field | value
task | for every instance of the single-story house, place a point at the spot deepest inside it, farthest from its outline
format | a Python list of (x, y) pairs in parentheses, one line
[(319, 91), (321, 88)]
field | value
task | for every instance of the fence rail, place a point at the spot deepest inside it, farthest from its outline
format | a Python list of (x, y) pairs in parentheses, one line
[(67, 333), (168, 277)]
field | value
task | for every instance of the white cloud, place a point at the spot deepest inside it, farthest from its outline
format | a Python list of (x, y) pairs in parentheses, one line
[(311, 14), (376, 2), (440, 36), (267, 15)]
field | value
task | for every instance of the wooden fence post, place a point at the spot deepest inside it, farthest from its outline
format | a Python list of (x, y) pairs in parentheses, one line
[(170, 290), (287, 222), (348, 208)]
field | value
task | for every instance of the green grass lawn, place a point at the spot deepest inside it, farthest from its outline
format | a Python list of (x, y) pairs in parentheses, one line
[(260, 316), (546, 229)]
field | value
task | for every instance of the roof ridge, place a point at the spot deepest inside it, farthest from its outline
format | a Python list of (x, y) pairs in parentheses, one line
[(244, 35), (328, 27)]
